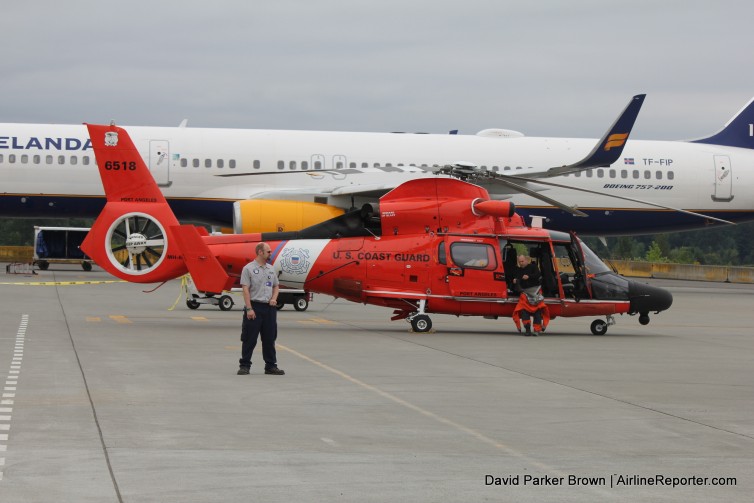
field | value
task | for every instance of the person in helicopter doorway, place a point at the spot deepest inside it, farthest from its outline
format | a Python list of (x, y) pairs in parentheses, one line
[(527, 281)]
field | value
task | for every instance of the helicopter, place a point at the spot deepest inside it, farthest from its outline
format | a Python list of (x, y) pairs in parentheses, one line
[(429, 246)]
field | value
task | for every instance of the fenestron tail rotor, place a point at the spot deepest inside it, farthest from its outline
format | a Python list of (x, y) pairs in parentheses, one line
[(136, 243)]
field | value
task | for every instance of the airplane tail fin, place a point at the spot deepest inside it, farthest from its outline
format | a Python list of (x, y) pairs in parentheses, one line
[(738, 132), (134, 236)]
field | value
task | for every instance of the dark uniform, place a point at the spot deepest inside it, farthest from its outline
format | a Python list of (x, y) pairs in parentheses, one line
[(262, 282)]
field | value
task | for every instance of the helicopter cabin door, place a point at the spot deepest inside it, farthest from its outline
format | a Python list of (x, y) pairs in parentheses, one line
[(582, 277), (474, 270)]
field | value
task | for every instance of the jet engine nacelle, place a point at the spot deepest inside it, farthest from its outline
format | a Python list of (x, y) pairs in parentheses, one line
[(258, 215)]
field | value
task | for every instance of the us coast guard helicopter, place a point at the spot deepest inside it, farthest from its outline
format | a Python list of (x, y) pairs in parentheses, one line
[(431, 245)]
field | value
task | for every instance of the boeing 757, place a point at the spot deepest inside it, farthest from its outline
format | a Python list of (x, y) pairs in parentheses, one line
[(274, 180)]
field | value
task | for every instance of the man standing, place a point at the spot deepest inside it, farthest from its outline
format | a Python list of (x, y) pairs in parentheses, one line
[(260, 294)]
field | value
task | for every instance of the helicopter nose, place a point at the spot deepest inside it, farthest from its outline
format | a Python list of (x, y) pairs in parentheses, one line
[(645, 298)]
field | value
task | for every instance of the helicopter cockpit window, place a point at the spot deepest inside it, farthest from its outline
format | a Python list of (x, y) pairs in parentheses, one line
[(473, 255)]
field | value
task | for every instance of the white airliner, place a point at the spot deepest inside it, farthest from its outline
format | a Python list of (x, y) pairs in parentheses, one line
[(285, 180)]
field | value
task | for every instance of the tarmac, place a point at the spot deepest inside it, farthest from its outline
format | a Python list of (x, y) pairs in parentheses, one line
[(111, 394)]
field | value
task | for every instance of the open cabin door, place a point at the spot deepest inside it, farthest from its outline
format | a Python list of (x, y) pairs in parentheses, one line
[(580, 270)]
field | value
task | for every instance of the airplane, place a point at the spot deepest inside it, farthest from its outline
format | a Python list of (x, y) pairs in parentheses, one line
[(272, 180), (431, 245)]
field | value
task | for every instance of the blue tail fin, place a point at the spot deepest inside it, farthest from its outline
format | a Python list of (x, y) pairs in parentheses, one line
[(738, 132)]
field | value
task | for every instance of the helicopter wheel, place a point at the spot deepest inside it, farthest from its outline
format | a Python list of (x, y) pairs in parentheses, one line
[(226, 303), (644, 318), (599, 327), (421, 323), (192, 304)]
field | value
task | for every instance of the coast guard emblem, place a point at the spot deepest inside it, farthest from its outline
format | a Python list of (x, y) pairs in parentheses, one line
[(295, 260), (111, 139)]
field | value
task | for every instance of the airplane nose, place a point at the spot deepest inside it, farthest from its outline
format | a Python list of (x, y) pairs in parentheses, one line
[(645, 298)]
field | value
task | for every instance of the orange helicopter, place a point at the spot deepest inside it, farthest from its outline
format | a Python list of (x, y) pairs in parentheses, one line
[(431, 245)]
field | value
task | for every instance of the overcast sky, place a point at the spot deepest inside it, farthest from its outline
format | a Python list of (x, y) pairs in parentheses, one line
[(542, 67)]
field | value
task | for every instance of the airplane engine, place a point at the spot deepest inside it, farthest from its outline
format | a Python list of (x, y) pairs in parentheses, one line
[(259, 215)]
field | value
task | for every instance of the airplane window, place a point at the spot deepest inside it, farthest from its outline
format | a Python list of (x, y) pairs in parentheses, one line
[(589, 173), (184, 162), (48, 159), (37, 159), (636, 174), (659, 174), (647, 174), (612, 173), (61, 159), (292, 165), (12, 158), (257, 164), (507, 168), (670, 175), (74, 160), (600, 173), (24, 159), (207, 163), (364, 164), (85, 160), (495, 168), (352, 165), (317, 164), (281, 164), (339, 165), (196, 163), (220, 163), (304, 165), (624, 173), (232, 164), (578, 173), (1, 157), (519, 167)]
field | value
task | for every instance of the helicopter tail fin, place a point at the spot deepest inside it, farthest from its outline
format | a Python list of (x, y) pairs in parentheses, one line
[(133, 237)]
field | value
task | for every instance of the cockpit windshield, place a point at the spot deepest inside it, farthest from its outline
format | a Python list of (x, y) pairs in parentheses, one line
[(594, 265)]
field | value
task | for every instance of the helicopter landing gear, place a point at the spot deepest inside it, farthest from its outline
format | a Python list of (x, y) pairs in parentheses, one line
[(644, 318), (599, 327), (420, 322)]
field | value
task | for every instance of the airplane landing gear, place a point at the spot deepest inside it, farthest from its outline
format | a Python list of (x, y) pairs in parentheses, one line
[(599, 327)]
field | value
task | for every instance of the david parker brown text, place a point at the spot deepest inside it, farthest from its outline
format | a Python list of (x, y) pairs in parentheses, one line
[(614, 481)]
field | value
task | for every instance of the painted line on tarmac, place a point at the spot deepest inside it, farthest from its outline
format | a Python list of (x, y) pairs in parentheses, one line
[(10, 388), (60, 283), (436, 417)]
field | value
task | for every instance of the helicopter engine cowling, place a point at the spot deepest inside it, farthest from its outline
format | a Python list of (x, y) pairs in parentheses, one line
[(260, 215)]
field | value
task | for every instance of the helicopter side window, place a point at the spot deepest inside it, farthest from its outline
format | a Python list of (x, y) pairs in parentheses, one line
[(441, 257), (473, 255)]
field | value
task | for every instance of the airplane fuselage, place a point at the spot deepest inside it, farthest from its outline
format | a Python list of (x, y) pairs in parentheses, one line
[(49, 170)]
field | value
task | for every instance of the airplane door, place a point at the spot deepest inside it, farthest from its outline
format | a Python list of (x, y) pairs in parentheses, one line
[(159, 161), (318, 161), (723, 179), (339, 161)]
